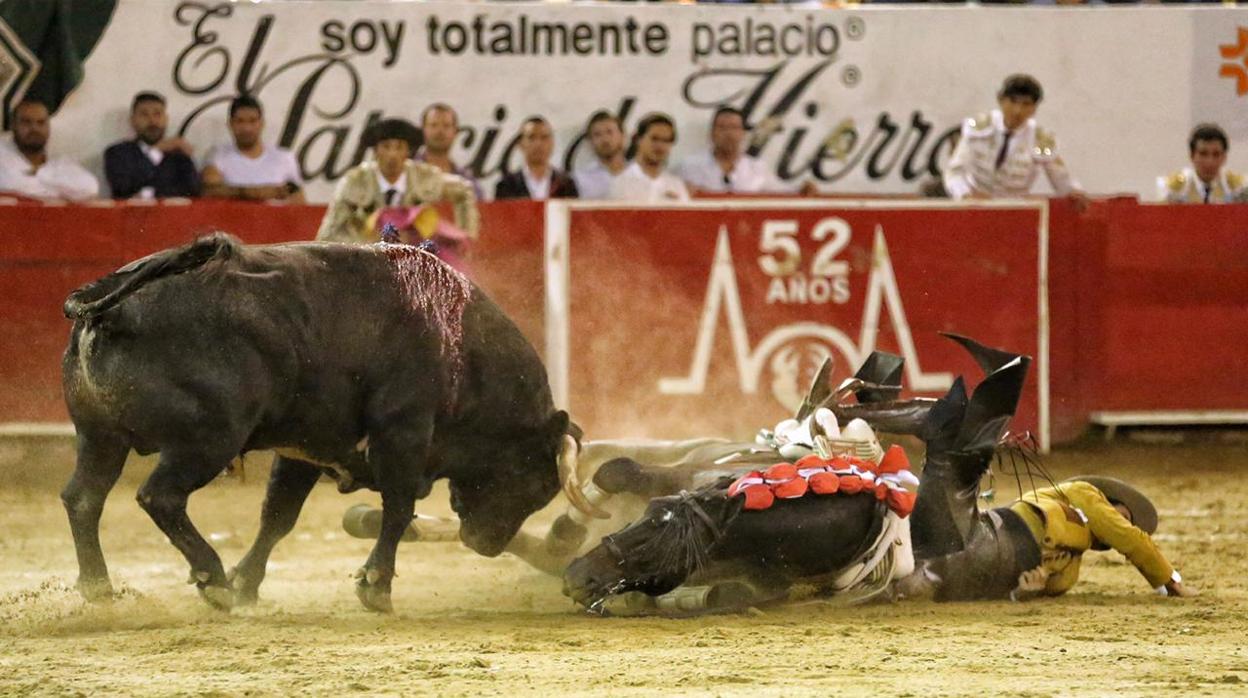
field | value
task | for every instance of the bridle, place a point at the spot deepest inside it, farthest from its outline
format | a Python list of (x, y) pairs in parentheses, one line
[(687, 500)]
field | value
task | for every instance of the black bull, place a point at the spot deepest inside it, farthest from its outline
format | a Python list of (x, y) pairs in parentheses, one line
[(380, 365)]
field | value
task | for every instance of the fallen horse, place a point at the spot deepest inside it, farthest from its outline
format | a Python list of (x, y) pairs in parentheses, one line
[(717, 533)]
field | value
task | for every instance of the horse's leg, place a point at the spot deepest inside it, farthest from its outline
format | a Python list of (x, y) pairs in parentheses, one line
[(100, 460), (164, 495), (290, 482)]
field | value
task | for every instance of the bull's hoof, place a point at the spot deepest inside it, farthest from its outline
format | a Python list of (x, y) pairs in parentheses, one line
[(372, 591), (96, 590), (219, 597), (373, 598)]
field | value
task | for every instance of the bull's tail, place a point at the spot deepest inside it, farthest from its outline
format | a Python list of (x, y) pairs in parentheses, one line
[(102, 294)]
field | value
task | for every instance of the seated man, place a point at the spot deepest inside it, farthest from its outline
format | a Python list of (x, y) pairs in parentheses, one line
[(150, 166), (26, 168), (248, 169), (726, 168), (1001, 152), (536, 179), (606, 137), (647, 179), (439, 125), (1206, 181), (393, 179)]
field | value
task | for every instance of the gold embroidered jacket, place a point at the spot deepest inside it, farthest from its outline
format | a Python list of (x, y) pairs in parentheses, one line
[(1184, 187), (358, 195), (973, 166)]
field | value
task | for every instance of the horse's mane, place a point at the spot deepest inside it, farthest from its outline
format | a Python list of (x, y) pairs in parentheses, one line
[(686, 541)]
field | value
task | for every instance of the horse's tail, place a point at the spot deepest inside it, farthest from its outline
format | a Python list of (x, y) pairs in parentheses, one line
[(100, 295)]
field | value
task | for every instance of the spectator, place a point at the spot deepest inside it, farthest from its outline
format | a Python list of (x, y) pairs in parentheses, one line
[(440, 125), (25, 167), (247, 168), (150, 166), (606, 135), (647, 180), (536, 179), (725, 168), (1000, 152), (392, 178), (1205, 182)]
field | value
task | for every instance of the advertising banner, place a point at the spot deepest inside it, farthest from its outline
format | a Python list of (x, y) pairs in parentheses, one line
[(862, 99), (712, 318)]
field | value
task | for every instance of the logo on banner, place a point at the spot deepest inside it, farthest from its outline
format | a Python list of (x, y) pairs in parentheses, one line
[(1237, 68), (791, 353)]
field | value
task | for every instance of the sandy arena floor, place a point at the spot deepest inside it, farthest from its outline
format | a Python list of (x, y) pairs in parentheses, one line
[(467, 625)]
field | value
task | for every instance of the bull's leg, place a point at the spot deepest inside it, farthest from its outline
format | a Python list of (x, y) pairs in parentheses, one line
[(399, 464), (290, 482), (100, 459), (164, 497)]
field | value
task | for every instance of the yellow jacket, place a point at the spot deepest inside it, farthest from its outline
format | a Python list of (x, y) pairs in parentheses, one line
[(1066, 519)]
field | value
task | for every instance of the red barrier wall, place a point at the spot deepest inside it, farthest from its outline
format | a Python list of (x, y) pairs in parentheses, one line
[(711, 319), (1147, 303)]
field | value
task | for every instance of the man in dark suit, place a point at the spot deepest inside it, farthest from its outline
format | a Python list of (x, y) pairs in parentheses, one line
[(536, 179), (151, 166)]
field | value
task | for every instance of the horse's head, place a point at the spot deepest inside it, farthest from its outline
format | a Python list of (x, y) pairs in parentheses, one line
[(657, 553)]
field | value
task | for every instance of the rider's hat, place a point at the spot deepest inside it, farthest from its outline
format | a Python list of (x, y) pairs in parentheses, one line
[(1143, 512)]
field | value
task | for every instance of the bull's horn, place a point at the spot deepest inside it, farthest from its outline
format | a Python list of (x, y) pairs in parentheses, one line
[(572, 482)]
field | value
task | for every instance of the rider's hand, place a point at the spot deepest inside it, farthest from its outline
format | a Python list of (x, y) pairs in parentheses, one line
[(1030, 583), (1177, 589)]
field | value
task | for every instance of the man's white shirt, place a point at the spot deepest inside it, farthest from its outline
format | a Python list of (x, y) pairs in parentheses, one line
[(399, 186), (274, 166), (749, 175), (58, 178), (539, 189), (593, 181), (633, 184)]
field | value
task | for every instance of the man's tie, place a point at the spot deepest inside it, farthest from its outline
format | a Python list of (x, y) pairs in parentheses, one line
[(392, 195), (1208, 189), (1005, 146)]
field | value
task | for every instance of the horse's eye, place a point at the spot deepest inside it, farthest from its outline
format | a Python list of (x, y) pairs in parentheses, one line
[(665, 516)]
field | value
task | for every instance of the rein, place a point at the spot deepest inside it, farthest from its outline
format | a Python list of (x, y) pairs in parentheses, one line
[(687, 499)]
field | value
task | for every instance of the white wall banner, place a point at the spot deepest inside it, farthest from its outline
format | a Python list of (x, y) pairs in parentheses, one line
[(857, 100)]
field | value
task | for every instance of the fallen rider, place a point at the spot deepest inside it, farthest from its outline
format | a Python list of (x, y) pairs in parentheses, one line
[(1033, 547), (1063, 522)]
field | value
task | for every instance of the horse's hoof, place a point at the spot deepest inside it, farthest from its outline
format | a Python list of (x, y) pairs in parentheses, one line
[(95, 590), (219, 597), (246, 593)]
